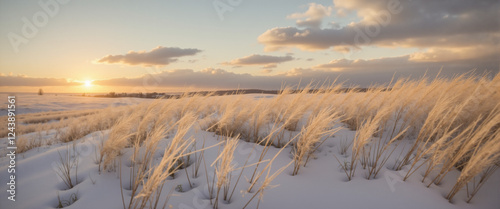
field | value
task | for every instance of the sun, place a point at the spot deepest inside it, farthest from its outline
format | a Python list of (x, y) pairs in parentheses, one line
[(87, 83)]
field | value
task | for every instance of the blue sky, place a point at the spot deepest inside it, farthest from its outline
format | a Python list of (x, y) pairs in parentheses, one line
[(69, 45)]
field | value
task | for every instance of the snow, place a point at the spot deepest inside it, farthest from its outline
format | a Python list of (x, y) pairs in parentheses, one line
[(321, 184), (33, 103)]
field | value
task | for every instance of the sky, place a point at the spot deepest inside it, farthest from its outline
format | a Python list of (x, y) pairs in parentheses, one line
[(144, 46)]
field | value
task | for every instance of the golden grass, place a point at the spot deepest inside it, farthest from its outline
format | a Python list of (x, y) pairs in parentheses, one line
[(119, 138), (156, 176), (224, 168), (312, 136)]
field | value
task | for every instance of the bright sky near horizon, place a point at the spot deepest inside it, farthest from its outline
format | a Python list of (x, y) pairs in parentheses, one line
[(166, 45)]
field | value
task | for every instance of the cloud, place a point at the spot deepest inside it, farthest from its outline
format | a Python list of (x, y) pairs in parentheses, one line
[(20, 80), (267, 61), (206, 78), (449, 25), (407, 65), (313, 17), (266, 71), (367, 65), (473, 53), (269, 66), (348, 71), (159, 56)]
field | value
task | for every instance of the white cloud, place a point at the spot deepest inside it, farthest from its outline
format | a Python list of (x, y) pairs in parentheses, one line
[(267, 61), (313, 17), (158, 56)]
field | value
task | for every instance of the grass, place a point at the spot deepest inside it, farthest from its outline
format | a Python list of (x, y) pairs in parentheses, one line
[(224, 168), (119, 138), (312, 136), (153, 186), (25, 143), (361, 139), (484, 156), (68, 163), (66, 202), (67, 125)]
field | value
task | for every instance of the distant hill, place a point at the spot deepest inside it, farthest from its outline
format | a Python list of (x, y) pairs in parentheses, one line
[(155, 95)]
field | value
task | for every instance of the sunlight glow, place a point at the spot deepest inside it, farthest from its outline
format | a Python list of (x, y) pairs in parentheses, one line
[(88, 83)]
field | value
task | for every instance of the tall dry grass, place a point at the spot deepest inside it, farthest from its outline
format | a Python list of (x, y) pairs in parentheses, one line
[(151, 192), (232, 119), (312, 136), (119, 138), (141, 163), (484, 158), (224, 168)]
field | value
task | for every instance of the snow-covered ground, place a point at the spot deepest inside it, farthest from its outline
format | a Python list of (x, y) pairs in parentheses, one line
[(32, 103), (321, 184)]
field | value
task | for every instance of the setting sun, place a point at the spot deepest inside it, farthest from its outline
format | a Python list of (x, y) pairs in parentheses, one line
[(87, 83)]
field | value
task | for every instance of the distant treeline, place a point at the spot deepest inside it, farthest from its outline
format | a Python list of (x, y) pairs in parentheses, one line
[(155, 95)]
